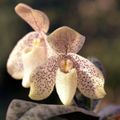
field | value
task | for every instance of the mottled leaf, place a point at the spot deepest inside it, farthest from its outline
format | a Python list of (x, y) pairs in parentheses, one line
[(23, 110), (110, 111), (74, 116)]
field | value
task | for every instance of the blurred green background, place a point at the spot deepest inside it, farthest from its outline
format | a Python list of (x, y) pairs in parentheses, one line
[(98, 20)]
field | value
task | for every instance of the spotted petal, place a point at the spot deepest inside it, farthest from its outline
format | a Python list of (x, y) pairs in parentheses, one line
[(35, 18), (90, 78), (42, 80), (14, 63), (65, 40)]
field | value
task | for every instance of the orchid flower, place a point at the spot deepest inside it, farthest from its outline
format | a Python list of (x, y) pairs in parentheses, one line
[(33, 49), (67, 71)]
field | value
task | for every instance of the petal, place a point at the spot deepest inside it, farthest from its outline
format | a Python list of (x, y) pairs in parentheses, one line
[(42, 80), (98, 64), (90, 78), (37, 56), (66, 84), (35, 18), (14, 63), (65, 40)]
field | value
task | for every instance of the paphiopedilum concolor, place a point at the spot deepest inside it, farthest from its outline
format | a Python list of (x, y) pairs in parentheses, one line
[(67, 70), (32, 50), (48, 61)]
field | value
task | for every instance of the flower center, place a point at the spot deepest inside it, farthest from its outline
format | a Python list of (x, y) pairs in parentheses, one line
[(36, 42), (66, 65)]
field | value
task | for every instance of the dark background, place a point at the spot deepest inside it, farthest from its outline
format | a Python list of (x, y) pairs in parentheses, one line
[(98, 20)]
